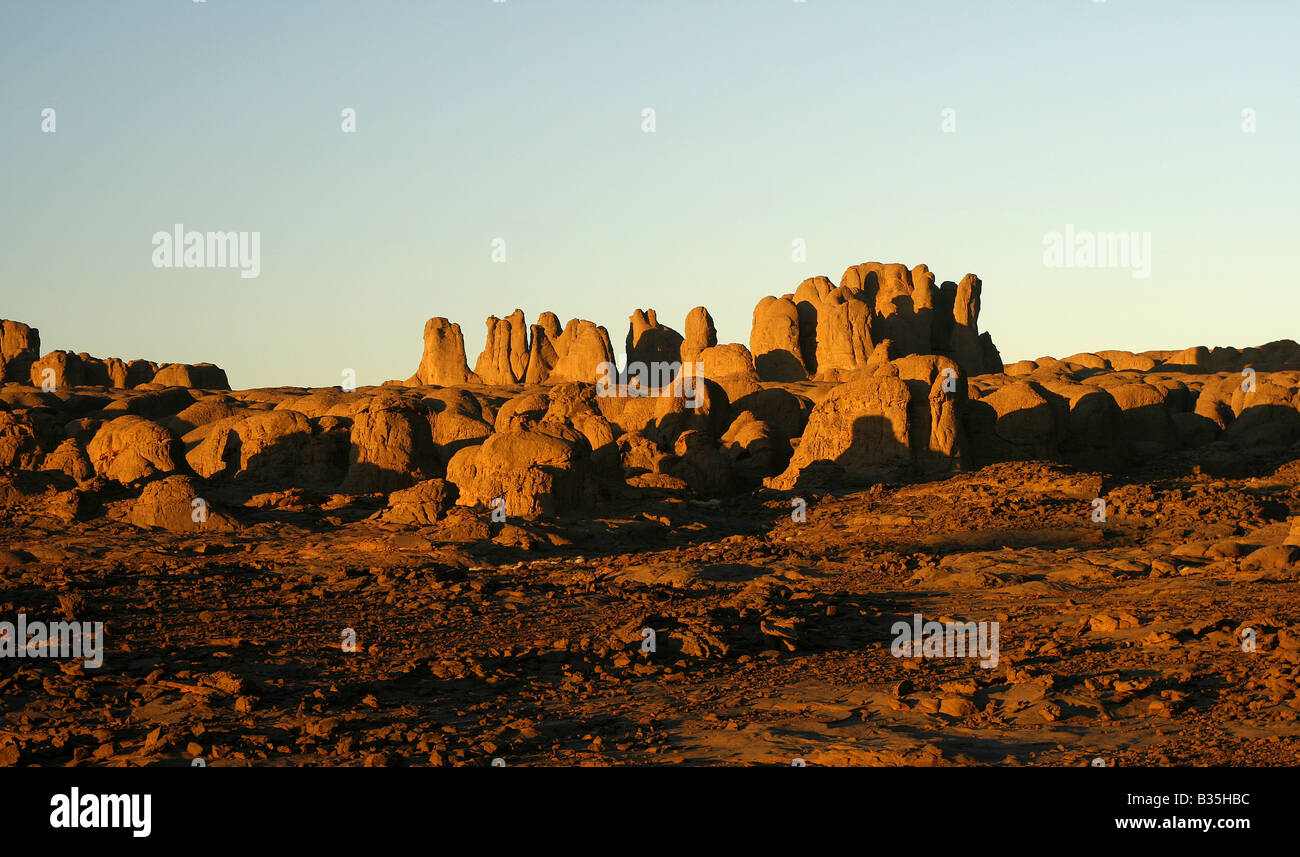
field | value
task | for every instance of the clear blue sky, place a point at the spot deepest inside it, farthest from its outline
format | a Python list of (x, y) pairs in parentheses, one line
[(522, 120)]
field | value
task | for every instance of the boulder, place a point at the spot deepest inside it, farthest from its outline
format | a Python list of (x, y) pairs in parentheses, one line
[(176, 504), (130, 448), (1196, 357), (69, 458), (279, 448), (457, 420), (65, 369), (1087, 360), (1127, 361), (699, 463), (391, 448), (575, 405), (858, 434), (1148, 423), (754, 448), (785, 413), (1093, 429), (639, 454), (534, 472), (730, 366), (1015, 422), (521, 411), (1267, 418), (200, 376), (203, 412), (422, 504), (20, 447)]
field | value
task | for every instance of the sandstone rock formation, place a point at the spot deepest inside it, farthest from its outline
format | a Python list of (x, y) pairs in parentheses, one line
[(20, 447), (860, 433), (531, 472), (391, 447), (828, 333), (885, 377), (583, 348), (649, 342), (130, 449), (271, 447), (700, 334), (443, 363), (20, 347), (62, 369), (176, 503), (543, 351), (775, 341), (422, 504), (505, 355), (202, 376), (730, 366)]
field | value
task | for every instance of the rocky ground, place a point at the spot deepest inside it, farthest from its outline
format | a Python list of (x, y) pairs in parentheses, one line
[(1119, 639)]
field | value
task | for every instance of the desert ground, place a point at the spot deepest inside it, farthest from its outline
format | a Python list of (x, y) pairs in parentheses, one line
[(524, 564)]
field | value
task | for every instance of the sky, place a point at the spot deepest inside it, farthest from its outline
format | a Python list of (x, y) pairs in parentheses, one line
[(956, 134)]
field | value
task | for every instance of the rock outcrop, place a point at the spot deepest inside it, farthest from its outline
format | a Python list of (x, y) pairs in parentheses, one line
[(883, 378), (775, 341), (20, 347), (828, 333), (21, 362), (130, 449), (859, 434), (649, 342), (525, 473), (176, 503), (391, 447), (583, 348), (443, 363), (505, 355), (200, 376), (700, 334)]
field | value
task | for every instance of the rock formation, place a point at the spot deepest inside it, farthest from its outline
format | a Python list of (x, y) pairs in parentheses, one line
[(775, 341), (583, 348), (22, 363), (829, 333), (505, 355), (700, 334), (443, 363), (649, 342), (20, 347), (883, 378)]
